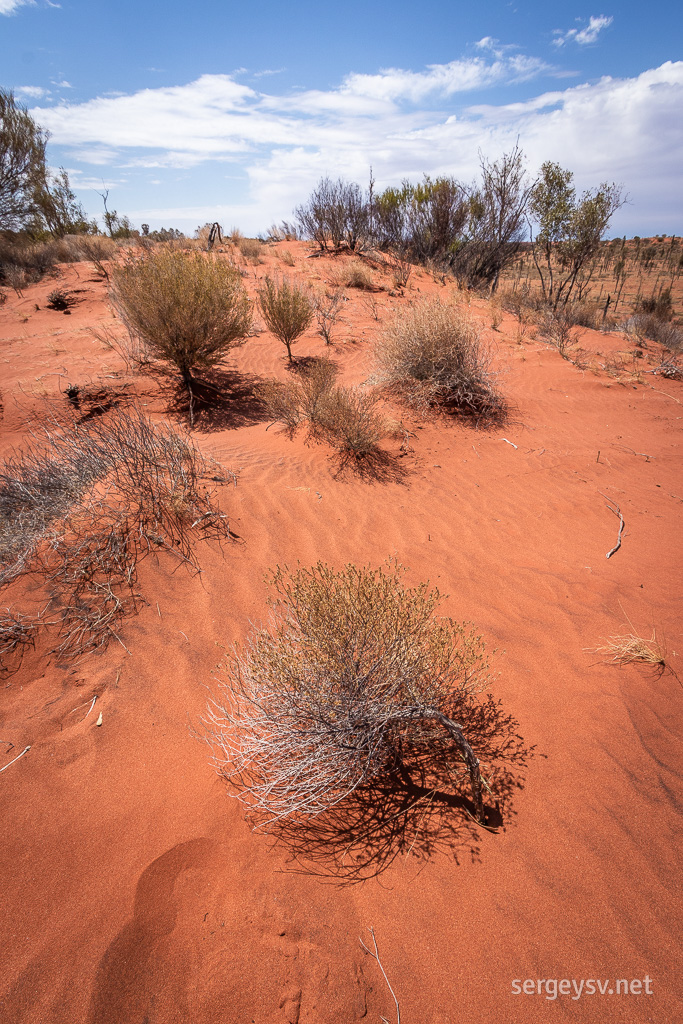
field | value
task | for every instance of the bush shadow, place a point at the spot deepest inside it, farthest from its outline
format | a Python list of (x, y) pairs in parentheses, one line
[(221, 400), (378, 466), (420, 808)]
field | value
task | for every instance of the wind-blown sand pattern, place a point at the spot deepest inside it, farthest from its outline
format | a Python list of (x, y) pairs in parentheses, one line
[(134, 891)]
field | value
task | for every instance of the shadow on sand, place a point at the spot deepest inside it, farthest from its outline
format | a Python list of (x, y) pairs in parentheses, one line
[(420, 808)]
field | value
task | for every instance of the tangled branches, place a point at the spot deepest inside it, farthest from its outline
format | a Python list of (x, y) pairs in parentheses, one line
[(83, 503)]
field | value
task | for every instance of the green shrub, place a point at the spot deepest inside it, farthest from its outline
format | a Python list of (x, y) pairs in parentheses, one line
[(287, 310), (187, 308)]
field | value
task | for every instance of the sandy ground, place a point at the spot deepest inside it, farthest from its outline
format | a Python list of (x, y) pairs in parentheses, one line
[(134, 891)]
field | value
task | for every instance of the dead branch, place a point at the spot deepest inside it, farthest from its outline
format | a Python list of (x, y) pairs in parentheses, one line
[(617, 512)]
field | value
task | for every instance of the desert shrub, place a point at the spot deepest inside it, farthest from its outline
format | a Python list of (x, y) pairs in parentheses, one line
[(302, 399), (188, 309), (23, 262), (328, 306), (647, 326), (356, 275), (556, 326), (96, 249), (251, 248), (17, 632), (283, 232), (83, 503), (61, 300), (627, 648), (658, 306), (287, 310), (585, 314), (286, 257), (349, 421), (432, 354), (354, 670), (336, 213)]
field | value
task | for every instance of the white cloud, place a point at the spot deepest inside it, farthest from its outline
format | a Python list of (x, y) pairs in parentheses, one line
[(628, 130), (10, 6), (32, 92), (583, 36)]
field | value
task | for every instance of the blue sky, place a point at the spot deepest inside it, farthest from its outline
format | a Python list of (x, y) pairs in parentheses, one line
[(190, 112)]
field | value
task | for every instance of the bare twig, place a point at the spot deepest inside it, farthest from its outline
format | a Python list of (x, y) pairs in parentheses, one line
[(376, 957), (24, 751)]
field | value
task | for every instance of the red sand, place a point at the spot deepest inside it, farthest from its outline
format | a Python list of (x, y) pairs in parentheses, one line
[(133, 890)]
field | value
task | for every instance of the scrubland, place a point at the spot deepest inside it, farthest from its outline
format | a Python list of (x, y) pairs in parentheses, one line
[(359, 413)]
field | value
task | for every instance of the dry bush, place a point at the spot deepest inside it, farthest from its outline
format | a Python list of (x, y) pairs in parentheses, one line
[(647, 326), (96, 249), (373, 307), (400, 268), (349, 421), (356, 275), (585, 313), (251, 248), (556, 326), (496, 313), (16, 277), (432, 354), (61, 300), (303, 399), (286, 256), (287, 310), (328, 307), (670, 369), (26, 262), (353, 671), (17, 632), (188, 309), (83, 503)]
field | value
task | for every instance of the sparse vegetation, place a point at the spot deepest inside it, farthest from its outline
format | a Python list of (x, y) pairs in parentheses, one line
[(354, 670), (287, 310), (188, 309), (432, 355)]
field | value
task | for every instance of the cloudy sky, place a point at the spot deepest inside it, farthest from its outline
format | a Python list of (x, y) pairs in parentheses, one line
[(231, 111)]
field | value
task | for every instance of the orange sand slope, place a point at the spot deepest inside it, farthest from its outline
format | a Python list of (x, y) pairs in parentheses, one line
[(134, 891)]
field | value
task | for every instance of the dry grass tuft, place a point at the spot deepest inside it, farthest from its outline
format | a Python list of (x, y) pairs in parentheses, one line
[(353, 671), (627, 648), (432, 355)]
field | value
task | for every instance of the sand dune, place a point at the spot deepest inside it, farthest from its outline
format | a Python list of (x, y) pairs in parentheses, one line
[(133, 890)]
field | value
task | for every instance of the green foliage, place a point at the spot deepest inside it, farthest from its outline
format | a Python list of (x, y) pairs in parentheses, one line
[(59, 209), (22, 164), (569, 230)]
